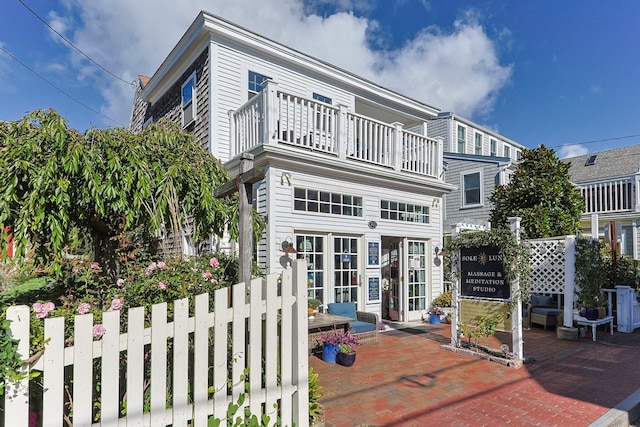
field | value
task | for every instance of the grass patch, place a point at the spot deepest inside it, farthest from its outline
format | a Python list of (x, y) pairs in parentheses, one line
[(30, 291)]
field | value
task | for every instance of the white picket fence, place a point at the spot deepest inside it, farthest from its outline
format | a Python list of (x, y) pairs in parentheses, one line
[(265, 321)]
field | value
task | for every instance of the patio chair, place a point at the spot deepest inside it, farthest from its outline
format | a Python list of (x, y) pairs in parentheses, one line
[(543, 311), (364, 325)]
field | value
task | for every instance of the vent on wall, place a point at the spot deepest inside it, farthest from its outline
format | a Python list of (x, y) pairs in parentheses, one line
[(591, 160)]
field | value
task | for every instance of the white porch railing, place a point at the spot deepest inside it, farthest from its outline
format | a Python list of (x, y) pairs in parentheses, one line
[(178, 372), (610, 196), (275, 117)]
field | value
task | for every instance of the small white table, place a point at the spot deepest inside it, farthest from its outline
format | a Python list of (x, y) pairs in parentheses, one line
[(583, 321)]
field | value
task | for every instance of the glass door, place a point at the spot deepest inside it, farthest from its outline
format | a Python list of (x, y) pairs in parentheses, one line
[(395, 280), (416, 278), (345, 267)]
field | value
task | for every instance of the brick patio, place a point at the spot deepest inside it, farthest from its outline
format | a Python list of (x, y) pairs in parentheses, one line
[(407, 379)]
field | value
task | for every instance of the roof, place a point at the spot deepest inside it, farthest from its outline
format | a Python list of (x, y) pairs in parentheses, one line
[(618, 162), (207, 27)]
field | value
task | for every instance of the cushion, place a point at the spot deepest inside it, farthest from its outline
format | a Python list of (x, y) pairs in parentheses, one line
[(358, 327), (541, 300), (347, 309), (546, 311)]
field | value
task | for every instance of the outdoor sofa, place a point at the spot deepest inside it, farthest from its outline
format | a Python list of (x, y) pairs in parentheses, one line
[(364, 325), (543, 310)]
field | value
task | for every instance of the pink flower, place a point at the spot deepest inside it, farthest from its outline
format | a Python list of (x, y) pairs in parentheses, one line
[(214, 281), (116, 304), (42, 310), (74, 270), (98, 331), (83, 307), (150, 269), (207, 275), (95, 266), (213, 262), (120, 282), (163, 285), (162, 265)]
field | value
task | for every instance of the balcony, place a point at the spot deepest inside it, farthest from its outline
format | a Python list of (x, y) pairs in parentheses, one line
[(275, 117), (609, 196)]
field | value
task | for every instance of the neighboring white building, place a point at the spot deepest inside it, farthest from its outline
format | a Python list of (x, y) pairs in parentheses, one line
[(352, 181), (476, 160), (609, 181), (463, 136)]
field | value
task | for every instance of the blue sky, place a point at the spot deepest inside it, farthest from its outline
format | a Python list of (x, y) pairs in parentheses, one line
[(539, 72)]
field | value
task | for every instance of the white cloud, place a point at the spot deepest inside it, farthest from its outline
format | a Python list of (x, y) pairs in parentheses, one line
[(572, 150), (457, 70)]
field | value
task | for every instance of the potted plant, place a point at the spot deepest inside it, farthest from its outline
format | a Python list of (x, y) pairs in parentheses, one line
[(314, 305), (435, 314), (346, 354), (591, 273), (333, 339)]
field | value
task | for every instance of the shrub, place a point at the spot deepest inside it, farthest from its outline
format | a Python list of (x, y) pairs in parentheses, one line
[(443, 300)]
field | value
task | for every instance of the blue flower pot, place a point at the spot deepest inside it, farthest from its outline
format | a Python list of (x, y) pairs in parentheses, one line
[(329, 352), (434, 319)]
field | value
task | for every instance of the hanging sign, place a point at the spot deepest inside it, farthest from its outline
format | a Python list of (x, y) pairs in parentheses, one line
[(346, 257), (482, 273)]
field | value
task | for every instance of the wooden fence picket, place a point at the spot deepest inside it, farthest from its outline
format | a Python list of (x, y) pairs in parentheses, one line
[(258, 326), (110, 374), (53, 365)]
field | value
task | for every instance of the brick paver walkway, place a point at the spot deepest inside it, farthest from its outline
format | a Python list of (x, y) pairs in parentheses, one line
[(407, 379)]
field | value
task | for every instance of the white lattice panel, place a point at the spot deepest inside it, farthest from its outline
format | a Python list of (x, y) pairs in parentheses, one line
[(547, 266)]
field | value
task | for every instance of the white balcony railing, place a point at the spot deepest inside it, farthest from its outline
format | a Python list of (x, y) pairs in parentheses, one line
[(275, 117), (610, 196)]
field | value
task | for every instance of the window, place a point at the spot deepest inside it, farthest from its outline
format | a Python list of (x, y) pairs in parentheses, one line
[(189, 101), (507, 152), (518, 155), (325, 202), (471, 189), (478, 144), (407, 212), (255, 83), (311, 249), (591, 160), (493, 149), (461, 139)]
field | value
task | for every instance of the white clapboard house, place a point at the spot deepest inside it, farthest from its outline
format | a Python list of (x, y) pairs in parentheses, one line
[(352, 182)]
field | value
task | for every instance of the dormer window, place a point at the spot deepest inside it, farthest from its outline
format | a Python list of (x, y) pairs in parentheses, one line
[(591, 160)]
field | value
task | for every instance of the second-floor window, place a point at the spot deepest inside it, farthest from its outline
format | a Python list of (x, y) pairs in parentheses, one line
[(478, 144), (493, 149), (507, 151), (471, 191), (189, 101), (255, 83), (462, 139)]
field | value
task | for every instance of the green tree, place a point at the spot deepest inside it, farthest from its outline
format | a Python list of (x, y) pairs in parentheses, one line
[(541, 193), (56, 182)]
